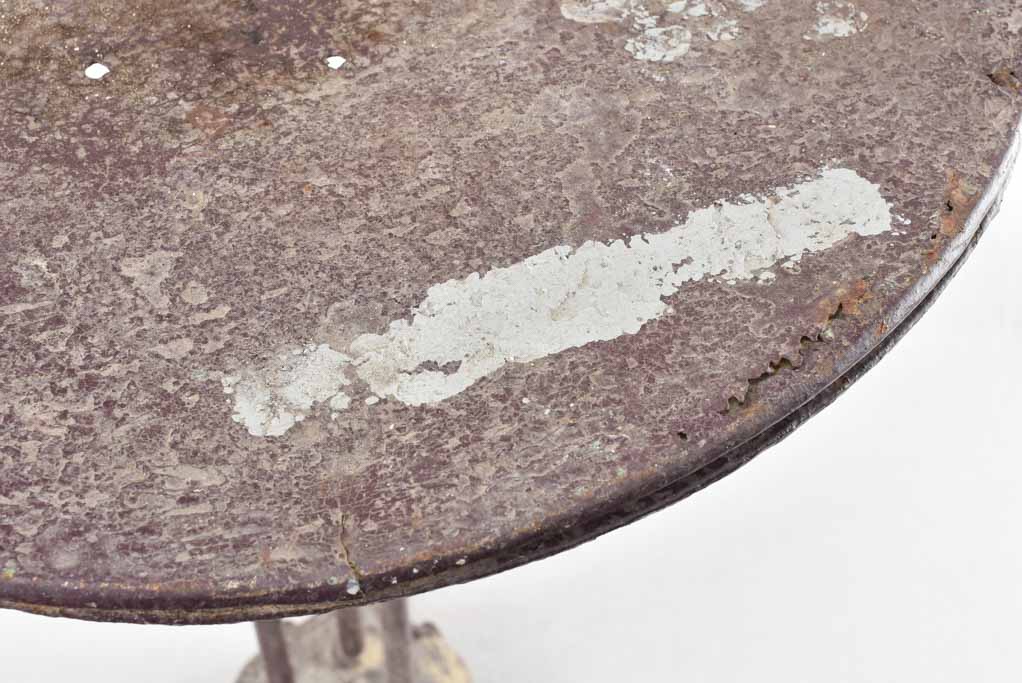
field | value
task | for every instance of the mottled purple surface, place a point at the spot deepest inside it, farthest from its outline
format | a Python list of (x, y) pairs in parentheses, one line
[(222, 196)]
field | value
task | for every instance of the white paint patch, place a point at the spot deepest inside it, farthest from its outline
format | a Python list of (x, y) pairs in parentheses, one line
[(340, 402), (660, 44), (96, 71), (837, 19), (335, 62), (698, 9), (725, 30), (559, 299), (275, 397), (596, 11), (666, 34)]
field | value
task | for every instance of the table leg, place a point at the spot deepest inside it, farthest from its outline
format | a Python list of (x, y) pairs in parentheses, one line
[(349, 630), (396, 641), (374, 644), (274, 651)]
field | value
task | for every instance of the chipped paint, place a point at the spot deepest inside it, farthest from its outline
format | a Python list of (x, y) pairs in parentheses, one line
[(270, 400), (147, 274), (698, 9), (837, 19), (725, 30), (558, 299), (130, 171), (596, 11), (660, 44), (667, 35)]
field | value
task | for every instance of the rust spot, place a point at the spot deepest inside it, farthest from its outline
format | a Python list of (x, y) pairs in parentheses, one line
[(852, 298), (735, 402), (959, 200), (1005, 77), (210, 121), (846, 300)]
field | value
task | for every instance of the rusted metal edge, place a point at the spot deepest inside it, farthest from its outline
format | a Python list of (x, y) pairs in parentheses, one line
[(196, 607)]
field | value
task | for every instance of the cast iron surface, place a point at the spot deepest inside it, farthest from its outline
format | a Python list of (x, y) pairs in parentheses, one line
[(222, 196)]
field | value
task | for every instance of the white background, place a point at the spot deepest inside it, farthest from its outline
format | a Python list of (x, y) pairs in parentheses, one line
[(881, 542)]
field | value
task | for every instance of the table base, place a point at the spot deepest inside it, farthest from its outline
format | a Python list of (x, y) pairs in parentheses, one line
[(355, 645)]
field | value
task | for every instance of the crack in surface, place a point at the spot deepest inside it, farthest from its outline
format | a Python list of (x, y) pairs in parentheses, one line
[(824, 335), (345, 553)]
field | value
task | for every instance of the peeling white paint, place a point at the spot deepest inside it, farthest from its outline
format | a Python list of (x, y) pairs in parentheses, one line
[(596, 11), (660, 44), (724, 30), (698, 9), (340, 402), (837, 19), (666, 34), (271, 399), (559, 299), (751, 5)]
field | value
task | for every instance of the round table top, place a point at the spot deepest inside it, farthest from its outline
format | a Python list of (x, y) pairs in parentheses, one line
[(309, 304)]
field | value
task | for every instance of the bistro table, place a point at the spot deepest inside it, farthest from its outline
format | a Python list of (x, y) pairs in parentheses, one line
[(311, 305)]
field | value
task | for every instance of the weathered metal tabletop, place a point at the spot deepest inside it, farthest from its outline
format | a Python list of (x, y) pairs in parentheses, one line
[(310, 304)]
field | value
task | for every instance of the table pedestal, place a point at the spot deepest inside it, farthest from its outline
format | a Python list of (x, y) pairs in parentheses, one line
[(355, 645)]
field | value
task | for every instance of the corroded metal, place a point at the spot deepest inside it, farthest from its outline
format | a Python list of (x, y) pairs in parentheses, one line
[(423, 649), (223, 198)]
